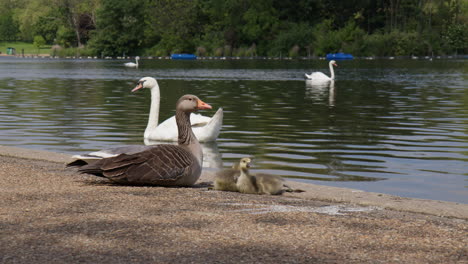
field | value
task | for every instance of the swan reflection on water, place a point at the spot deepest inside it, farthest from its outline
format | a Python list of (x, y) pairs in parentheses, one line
[(211, 155), (318, 90)]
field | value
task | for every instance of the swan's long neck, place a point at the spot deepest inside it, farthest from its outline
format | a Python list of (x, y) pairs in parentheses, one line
[(332, 72), (154, 110), (186, 136)]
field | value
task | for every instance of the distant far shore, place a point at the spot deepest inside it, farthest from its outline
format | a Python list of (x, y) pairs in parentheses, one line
[(45, 55)]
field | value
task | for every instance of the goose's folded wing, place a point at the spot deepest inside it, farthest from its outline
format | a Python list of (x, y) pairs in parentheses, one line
[(83, 159), (158, 165)]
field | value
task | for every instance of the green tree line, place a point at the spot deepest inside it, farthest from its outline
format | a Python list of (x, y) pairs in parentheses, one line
[(240, 27)]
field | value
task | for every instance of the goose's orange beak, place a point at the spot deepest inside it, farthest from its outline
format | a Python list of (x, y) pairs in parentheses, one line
[(202, 105)]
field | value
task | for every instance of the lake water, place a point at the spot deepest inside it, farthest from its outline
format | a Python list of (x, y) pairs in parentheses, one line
[(391, 126)]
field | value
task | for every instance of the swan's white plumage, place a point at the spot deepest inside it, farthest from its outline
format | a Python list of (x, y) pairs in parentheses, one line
[(131, 64), (319, 77), (205, 128)]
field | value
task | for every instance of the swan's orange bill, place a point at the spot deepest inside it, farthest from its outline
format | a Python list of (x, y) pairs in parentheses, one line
[(138, 87), (202, 105), (334, 64)]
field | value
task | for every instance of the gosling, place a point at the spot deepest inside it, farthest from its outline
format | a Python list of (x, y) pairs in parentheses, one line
[(239, 179), (226, 180), (260, 183), (246, 183), (269, 184)]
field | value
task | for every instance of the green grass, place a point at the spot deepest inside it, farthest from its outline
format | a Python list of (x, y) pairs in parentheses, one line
[(29, 48)]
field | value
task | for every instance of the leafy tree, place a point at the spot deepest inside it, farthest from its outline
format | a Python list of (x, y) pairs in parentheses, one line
[(39, 41), (177, 35), (8, 27), (260, 19), (325, 39), (47, 26), (456, 37), (29, 14), (79, 16), (224, 21), (291, 35), (299, 11), (65, 36), (119, 27)]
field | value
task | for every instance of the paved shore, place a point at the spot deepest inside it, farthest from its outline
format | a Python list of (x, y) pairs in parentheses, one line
[(53, 215)]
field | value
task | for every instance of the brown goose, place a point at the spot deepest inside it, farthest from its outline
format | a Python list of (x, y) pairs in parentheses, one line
[(162, 165), (226, 180)]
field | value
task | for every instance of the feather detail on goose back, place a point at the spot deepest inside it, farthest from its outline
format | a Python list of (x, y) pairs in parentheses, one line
[(163, 165)]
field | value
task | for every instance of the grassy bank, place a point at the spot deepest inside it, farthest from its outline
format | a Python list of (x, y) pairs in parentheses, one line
[(28, 48)]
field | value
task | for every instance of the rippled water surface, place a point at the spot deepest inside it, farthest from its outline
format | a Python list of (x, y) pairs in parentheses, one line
[(397, 127)]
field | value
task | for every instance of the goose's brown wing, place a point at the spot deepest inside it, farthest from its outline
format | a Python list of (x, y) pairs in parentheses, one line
[(160, 165)]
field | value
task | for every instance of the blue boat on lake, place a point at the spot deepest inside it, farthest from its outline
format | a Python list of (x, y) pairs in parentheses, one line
[(339, 56), (183, 56)]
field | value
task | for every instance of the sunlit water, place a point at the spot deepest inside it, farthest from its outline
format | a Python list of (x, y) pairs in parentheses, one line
[(397, 127)]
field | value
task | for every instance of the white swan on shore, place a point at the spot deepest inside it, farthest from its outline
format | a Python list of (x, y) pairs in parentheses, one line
[(319, 77), (131, 64), (206, 129)]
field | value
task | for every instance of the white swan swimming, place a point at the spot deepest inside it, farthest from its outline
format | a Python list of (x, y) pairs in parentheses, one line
[(205, 128), (319, 77), (131, 64)]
